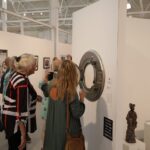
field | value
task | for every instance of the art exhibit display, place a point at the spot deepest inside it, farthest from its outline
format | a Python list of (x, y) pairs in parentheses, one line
[(46, 62), (131, 124), (94, 91), (37, 61), (3, 55)]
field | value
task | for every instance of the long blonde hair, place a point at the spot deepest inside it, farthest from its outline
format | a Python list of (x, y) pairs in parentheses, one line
[(66, 81)]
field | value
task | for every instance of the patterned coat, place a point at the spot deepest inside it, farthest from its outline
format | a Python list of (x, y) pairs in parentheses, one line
[(19, 104)]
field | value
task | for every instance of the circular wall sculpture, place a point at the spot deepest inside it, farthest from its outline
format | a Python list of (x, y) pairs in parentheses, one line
[(93, 90)]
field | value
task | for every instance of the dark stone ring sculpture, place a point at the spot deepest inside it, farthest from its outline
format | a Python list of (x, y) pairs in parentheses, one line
[(94, 92)]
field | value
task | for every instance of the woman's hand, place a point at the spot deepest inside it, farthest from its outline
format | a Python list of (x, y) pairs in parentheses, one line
[(23, 143), (23, 136), (82, 95), (39, 98)]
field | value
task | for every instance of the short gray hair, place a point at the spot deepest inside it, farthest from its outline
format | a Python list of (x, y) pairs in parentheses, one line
[(25, 63)]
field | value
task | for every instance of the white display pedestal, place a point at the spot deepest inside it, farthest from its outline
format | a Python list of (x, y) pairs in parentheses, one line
[(147, 135), (134, 146)]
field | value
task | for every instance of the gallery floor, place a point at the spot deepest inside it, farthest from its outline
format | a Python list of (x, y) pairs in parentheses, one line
[(36, 142)]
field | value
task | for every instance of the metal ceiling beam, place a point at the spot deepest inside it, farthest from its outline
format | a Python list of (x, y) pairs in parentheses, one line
[(39, 20), (134, 4), (75, 6), (141, 5), (148, 6), (26, 18), (138, 12), (47, 10), (24, 1), (66, 24)]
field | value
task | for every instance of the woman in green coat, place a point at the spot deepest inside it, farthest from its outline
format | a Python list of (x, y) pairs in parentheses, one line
[(63, 88)]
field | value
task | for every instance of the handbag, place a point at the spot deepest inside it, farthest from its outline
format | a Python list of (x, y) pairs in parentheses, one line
[(1, 123), (72, 142)]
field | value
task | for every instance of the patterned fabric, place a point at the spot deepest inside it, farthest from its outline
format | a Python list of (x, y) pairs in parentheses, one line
[(45, 89), (19, 104)]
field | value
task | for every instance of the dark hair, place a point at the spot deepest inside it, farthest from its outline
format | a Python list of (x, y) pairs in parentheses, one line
[(17, 58), (55, 58)]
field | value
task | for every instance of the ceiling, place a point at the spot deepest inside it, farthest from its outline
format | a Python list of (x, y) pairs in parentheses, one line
[(40, 11), (139, 9)]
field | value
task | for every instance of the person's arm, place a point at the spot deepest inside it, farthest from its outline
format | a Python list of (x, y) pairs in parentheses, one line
[(32, 90), (1, 83), (77, 107), (44, 87), (21, 106), (23, 135)]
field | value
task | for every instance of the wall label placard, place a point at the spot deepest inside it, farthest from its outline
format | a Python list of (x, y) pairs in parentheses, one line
[(108, 128)]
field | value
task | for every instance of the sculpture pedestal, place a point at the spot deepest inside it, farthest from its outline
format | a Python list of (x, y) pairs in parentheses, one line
[(134, 146), (147, 135)]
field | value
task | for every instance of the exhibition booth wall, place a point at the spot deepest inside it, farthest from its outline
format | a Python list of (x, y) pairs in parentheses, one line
[(123, 44), (95, 28), (136, 68)]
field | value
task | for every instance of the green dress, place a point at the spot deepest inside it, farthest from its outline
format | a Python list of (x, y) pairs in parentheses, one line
[(55, 133)]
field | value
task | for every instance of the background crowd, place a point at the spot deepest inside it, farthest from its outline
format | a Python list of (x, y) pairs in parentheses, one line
[(59, 87)]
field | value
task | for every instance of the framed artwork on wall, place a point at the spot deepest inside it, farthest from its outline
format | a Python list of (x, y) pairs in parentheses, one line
[(46, 62), (37, 61), (3, 55)]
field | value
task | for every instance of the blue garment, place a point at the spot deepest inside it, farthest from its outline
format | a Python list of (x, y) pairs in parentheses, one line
[(6, 80), (45, 89), (2, 81)]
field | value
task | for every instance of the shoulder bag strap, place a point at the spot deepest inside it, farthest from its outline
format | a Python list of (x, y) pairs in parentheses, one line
[(67, 113)]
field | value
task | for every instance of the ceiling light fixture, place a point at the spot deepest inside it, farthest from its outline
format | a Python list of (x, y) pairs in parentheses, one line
[(24, 14), (41, 13), (128, 6)]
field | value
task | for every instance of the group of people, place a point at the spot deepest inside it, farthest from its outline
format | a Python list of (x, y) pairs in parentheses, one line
[(19, 102)]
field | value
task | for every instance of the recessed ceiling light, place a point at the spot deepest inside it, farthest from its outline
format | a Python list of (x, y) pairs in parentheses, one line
[(128, 6), (24, 14), (41, 13)]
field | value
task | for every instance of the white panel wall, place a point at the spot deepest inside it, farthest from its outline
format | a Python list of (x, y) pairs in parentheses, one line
[(64, 49), (126, 59), (137, 68), (133, 75), (95, 27), (19, 44)]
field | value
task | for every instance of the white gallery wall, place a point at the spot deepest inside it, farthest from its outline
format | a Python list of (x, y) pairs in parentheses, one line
[(132, 75), (123, 44), (64, 49), (95, 28), (137, 72), (18, 44)]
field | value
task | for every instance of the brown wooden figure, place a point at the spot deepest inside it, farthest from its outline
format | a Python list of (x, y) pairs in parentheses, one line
[(131, 124)]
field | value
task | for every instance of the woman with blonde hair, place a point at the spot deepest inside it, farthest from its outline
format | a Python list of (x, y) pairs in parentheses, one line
[(19, 100), (63, 89)]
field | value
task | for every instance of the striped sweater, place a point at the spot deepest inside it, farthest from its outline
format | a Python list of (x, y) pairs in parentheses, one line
[(19, 104)]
